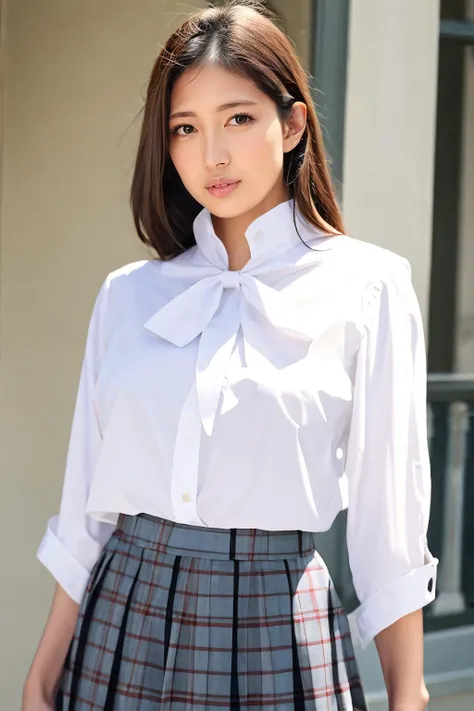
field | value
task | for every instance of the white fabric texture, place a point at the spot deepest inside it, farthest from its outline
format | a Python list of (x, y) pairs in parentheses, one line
[(272, 397)]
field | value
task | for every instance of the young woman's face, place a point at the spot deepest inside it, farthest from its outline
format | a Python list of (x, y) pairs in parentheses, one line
[(231, 130)]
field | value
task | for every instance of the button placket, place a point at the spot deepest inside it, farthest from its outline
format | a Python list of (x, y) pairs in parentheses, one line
[(185, 469)]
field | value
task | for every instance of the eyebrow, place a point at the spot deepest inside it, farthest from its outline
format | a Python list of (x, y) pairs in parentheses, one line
[(222, 107)]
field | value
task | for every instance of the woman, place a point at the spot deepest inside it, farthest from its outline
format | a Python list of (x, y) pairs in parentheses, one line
[(265, 372)]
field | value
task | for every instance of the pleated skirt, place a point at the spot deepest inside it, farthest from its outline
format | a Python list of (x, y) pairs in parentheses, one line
[(178, 617)]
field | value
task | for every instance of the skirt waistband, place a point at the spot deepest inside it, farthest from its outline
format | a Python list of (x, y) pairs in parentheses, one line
[(164, 536)]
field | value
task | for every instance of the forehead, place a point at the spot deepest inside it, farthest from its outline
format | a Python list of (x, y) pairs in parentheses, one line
[(209, 86)]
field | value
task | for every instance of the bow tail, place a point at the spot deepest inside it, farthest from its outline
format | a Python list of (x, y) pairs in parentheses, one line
[(279, 314), (215, 349), (183, 318), (268, 347)]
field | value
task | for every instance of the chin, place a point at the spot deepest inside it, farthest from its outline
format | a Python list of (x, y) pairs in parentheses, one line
[(227, 208), (223, 207)]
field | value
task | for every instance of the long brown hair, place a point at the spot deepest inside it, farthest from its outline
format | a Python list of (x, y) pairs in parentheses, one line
[(239, 36)]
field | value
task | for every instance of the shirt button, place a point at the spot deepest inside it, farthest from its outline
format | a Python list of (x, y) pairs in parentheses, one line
[(186, 497), (430, 585)]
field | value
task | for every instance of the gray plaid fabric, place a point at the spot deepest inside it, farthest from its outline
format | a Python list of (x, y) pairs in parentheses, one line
[(179, 617)]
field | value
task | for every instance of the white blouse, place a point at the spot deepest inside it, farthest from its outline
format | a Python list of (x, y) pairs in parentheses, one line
[(270, 397)]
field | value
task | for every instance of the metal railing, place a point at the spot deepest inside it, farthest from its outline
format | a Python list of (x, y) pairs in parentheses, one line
[(457, 30), (451, 533)]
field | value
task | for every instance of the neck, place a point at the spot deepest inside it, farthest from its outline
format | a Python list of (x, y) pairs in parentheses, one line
[(231, 230)]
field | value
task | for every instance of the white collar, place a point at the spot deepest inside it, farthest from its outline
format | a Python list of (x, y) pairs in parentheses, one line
[(268, 235)]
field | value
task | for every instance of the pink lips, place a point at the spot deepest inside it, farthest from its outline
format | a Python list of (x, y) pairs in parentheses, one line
[(223, 189)]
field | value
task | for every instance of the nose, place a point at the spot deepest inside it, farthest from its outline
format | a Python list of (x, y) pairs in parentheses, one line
[(215, 152)]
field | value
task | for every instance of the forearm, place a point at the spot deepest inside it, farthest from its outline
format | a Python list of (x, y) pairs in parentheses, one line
[(400, 649), (49, 659)]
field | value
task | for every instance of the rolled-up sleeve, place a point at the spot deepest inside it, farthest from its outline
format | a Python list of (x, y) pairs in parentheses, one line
[(388, 467), (73, 540)]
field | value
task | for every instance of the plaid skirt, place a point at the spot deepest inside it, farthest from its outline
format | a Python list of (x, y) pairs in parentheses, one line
[(179, 617)]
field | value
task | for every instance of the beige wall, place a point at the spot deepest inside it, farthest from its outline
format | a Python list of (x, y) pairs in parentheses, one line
[(75, 72), (390, 128), (465, 306), (75, 75)]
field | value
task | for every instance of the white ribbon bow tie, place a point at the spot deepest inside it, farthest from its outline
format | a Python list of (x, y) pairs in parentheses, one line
[(264, 314)]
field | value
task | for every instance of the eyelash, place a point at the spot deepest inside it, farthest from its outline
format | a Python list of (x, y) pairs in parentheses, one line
[(174, 131)]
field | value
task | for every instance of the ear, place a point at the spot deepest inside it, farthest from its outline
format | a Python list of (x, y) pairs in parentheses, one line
[(294, 126)]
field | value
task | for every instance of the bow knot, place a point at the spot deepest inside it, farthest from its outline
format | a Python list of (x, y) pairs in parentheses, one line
[(230, 279)]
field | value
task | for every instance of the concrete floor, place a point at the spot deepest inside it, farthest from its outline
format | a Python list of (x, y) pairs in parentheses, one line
[(463, 702)]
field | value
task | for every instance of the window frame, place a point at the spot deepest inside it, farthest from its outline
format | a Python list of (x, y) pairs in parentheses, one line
[(329, 68)]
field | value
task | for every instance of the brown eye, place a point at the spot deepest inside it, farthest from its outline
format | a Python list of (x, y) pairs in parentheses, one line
[(247, 119), (175, 130)]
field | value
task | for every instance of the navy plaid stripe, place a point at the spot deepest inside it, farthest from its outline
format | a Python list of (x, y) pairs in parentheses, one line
[(234, 672), (298, 692), (233, 539), (169, 607)]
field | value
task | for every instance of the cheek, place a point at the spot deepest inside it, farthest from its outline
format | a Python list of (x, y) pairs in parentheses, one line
[(267, 146), (187, 160), (184, 160)]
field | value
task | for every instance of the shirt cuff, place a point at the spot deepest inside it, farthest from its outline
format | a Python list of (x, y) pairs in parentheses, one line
[(405, 595), (71, 575)]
